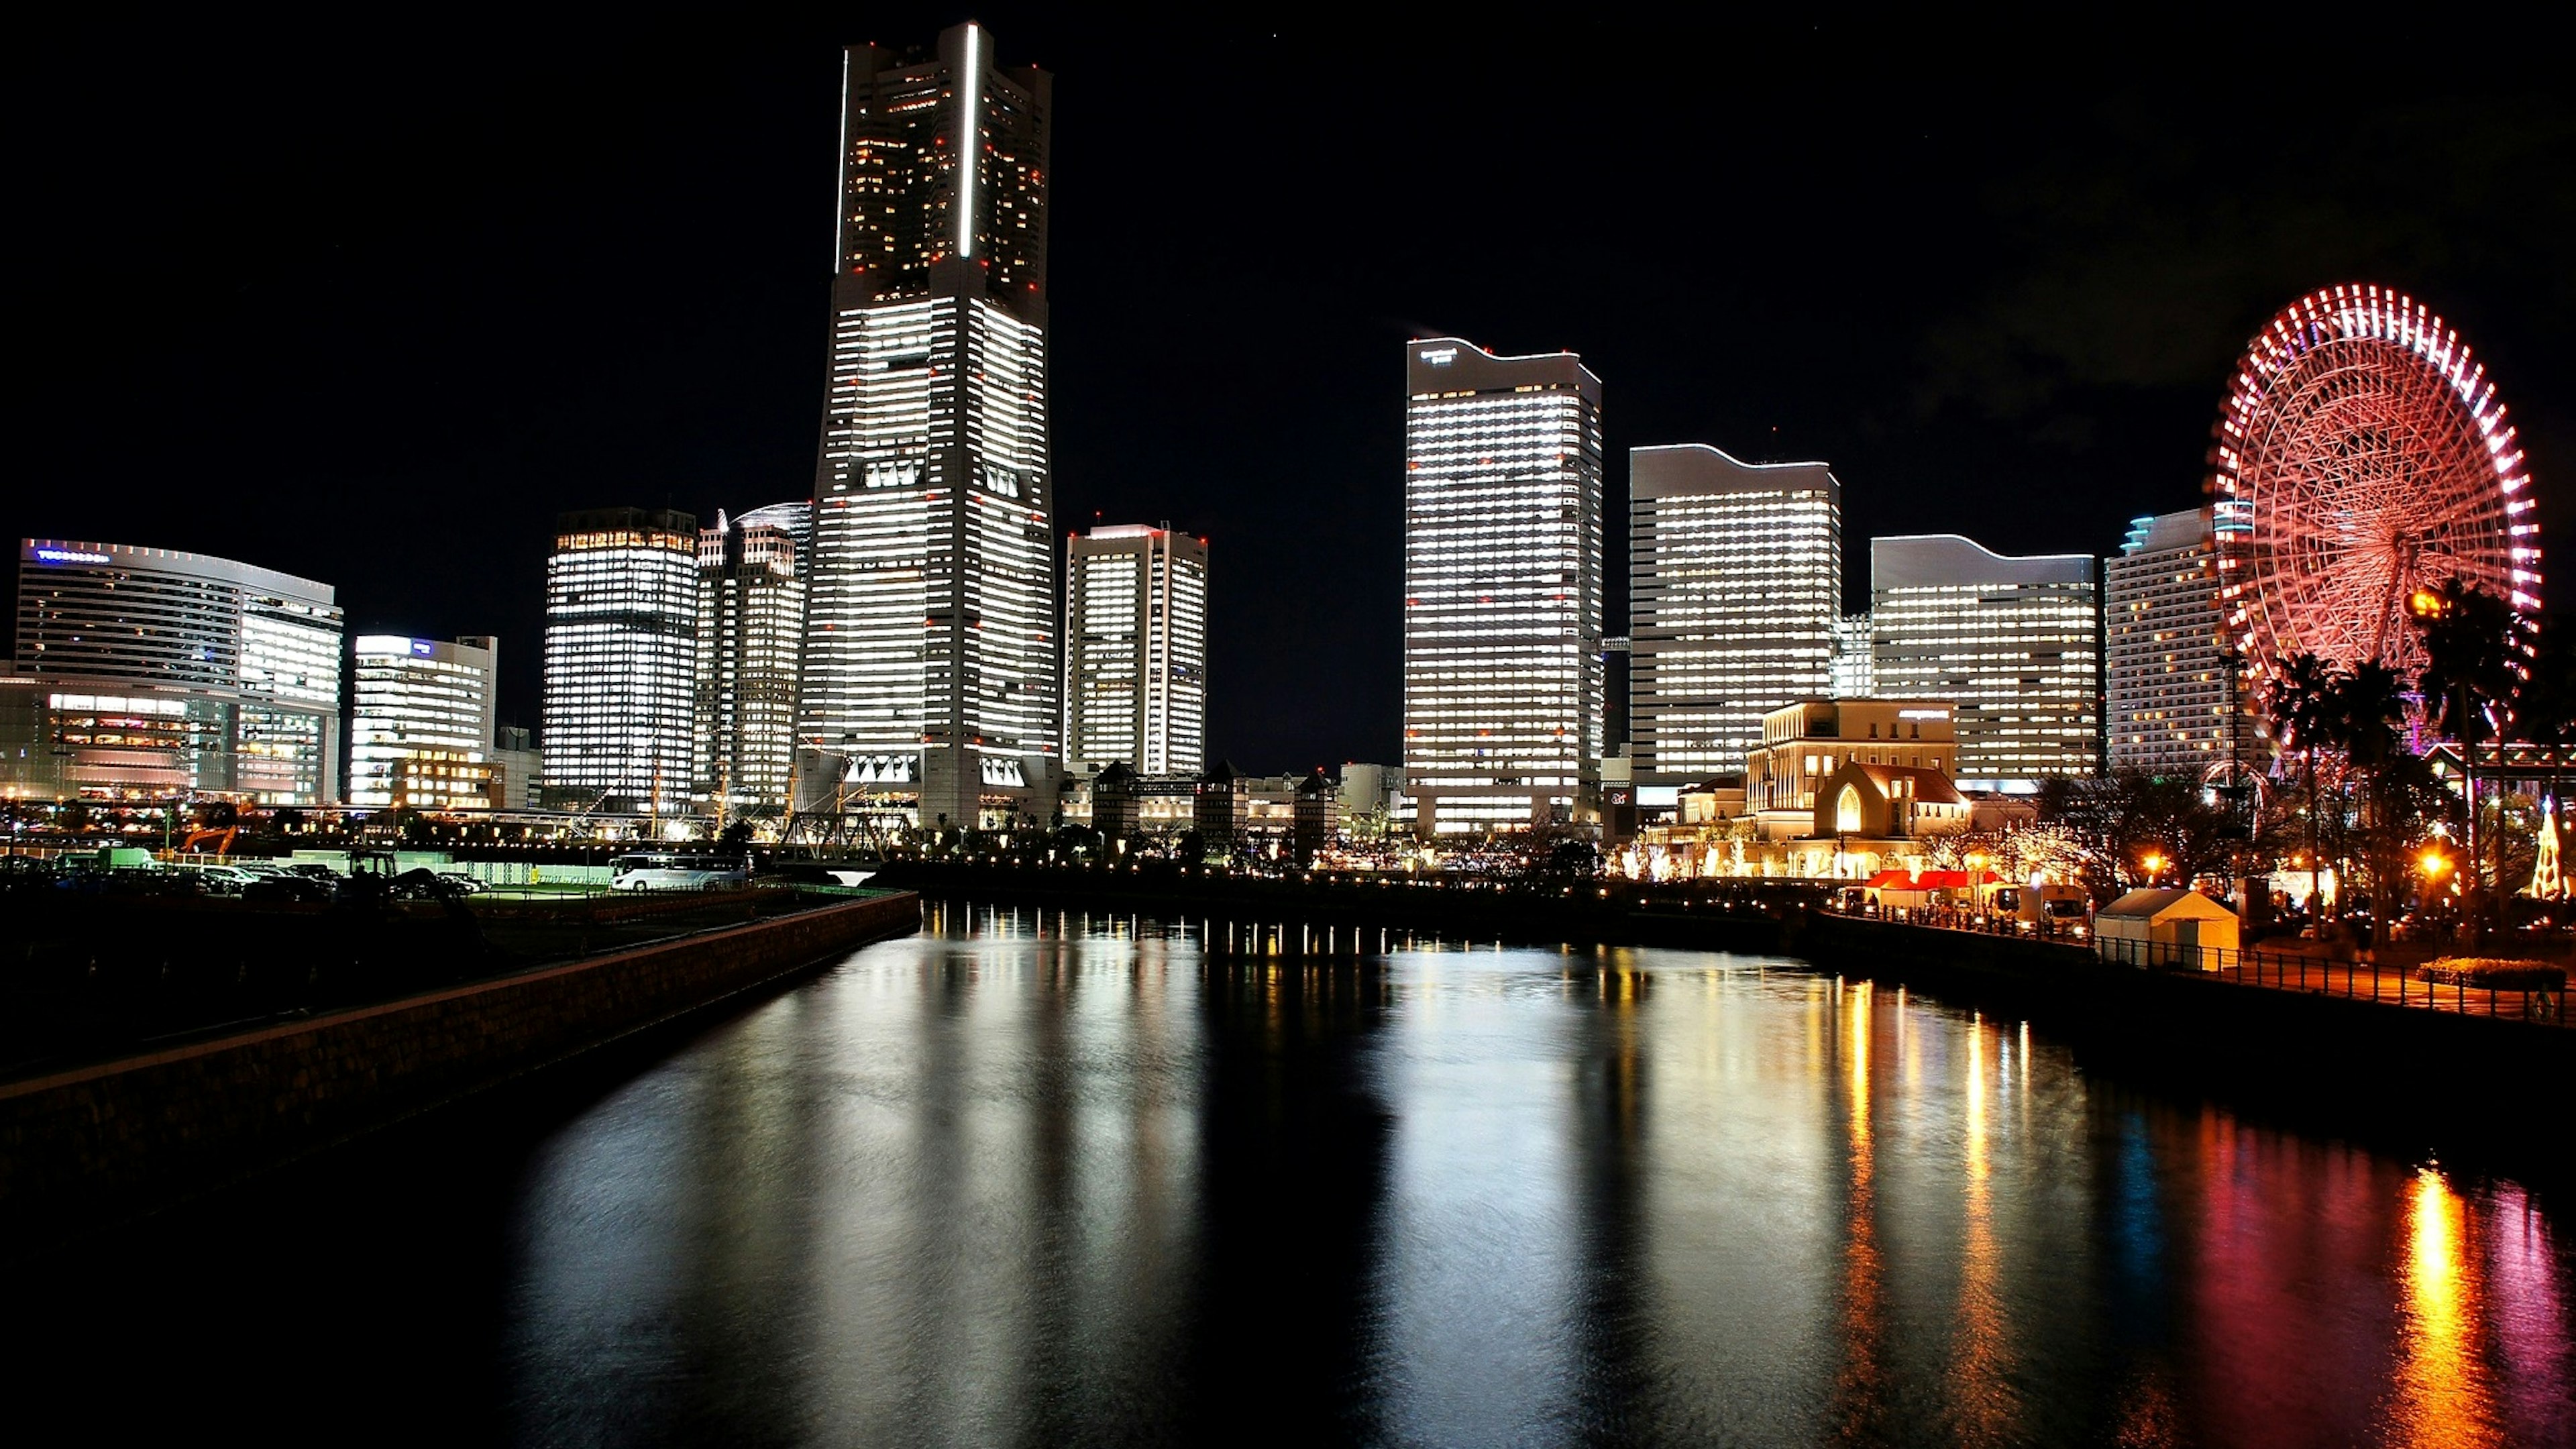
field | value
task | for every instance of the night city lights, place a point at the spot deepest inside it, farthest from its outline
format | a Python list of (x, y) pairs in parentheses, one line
[(1805, 729)]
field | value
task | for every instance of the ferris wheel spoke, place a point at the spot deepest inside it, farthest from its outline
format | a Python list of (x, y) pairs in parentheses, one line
[(2361, 473)]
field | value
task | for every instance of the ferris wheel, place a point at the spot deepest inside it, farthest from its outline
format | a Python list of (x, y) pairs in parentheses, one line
[(2362, 455)]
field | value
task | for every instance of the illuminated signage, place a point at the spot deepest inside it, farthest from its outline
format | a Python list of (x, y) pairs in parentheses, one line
[(65, 555), (1440, 356)]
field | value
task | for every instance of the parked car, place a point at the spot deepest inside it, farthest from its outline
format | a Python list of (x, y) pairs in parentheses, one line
[(289, 889)]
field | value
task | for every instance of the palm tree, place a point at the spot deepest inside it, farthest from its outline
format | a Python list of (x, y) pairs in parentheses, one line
[(2366, 710), (2301, 705), (2477, 653)]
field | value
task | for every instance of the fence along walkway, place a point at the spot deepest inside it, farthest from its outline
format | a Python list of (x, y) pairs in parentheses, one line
[(2359, 980)]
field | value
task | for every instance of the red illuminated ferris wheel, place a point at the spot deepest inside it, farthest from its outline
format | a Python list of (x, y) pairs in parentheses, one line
[(2362, 455)]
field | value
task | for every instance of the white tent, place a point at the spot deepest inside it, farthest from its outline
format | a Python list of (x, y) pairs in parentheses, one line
[(2165, 928)]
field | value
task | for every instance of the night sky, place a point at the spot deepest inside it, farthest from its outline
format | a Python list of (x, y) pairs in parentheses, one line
[(371, 304)]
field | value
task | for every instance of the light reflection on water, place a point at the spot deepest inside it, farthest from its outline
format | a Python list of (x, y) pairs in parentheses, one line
[(1061, 1181)]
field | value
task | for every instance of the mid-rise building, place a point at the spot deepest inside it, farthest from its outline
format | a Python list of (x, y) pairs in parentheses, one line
[(621, 659), (155, 673), (1503, 693), (1735, 581), (2171, 704), (931, 658), (420, 723), (751, 633), (1805, 742), (2013, 642), (517, 766), (1135, 650)]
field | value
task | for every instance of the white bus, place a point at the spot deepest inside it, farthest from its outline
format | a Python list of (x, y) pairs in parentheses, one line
[(663, 870)]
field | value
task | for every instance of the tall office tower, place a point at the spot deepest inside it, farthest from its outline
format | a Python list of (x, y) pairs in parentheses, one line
[(2170, 706), (751, 632), (1855, 670), (2015, 643), (930, 652), (621, 658), (1502, 588), (420, 722), (1135, 650), (255, 654), (1735, 583)]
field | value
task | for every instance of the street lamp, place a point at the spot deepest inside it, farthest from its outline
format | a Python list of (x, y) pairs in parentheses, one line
[(2155, 864)]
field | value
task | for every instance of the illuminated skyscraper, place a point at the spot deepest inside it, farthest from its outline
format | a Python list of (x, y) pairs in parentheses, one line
[(420, 723), (2167, 691), (254, 652), (1735, 580), (621, 658), (2015, 643), (1855, 669), (1135, 631), (751, 630), (1502, 587), (930, 652)]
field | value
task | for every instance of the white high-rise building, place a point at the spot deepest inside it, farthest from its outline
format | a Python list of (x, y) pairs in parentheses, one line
[(2168, 699), (2014, 642), (930, 654), (621, 658), (1855, 669), (1503, 688), (420, 723), (246, 661), (1135, 650), (1735, 580), (751, 633)]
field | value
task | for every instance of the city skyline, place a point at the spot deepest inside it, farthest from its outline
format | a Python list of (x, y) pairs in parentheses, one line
[(1984, 366)]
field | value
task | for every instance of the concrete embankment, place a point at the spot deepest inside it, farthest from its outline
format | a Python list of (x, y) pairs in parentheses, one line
[(110, 1140), (2406, 1078), (2409, 1078)]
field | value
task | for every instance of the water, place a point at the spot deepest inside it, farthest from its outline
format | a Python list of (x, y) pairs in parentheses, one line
[(1049, 1184)]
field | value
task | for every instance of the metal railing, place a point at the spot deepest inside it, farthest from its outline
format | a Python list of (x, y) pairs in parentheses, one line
[(2387, 983)]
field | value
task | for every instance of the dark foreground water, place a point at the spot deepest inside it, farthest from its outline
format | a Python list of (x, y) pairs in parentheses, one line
[(1047, 1184)]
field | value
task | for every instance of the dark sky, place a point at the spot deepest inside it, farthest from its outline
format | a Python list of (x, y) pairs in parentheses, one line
[(371, 302)]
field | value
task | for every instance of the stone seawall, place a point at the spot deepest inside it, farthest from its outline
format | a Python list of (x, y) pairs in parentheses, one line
[(110, 1140), (2431, 1068)]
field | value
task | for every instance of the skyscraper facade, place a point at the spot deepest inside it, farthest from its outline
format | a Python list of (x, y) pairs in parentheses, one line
[(2015, 643), (420, 722), (2169, 703), (621, 659), (930, 654), (1502, 588), (246, 661), (1855, 668), (1735, 581), (1135, 650), (751, 632)]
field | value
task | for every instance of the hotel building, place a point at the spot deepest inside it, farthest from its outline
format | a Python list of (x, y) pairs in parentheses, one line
[(751, 632), (1135, 646), (420, 723), (2014, 643), (931, 661), (621, 659), (2170, 705), (147, 673), (1502, 588), (1735, 582)]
